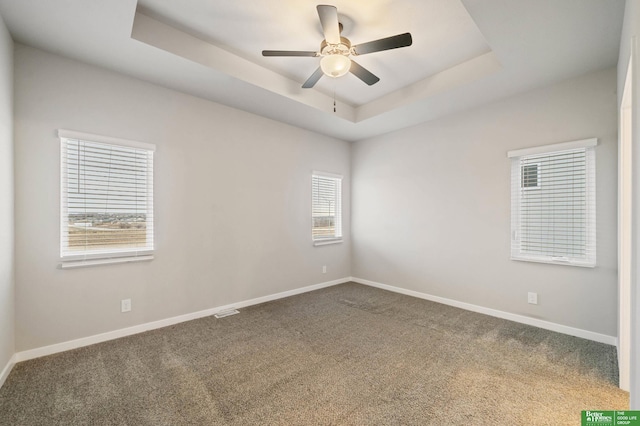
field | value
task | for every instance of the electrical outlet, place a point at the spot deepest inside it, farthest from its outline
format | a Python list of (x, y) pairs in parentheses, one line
[(125, 305), (324, 269), (532, 298)]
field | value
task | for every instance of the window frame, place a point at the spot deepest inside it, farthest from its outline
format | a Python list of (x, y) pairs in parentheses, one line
[(111, 255), (517, 156), (338, 235)]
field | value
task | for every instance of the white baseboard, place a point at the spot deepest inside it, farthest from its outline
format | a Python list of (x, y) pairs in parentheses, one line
[(577, 332), (103, 337), (7, 369), (111, 335)]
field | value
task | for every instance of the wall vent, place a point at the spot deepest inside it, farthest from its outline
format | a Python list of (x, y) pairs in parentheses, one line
[(226, 313)]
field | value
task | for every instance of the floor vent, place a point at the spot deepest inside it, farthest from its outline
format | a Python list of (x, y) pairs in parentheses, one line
[(226, 313)]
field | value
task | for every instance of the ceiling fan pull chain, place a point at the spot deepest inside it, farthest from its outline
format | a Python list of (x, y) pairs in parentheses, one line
[(334, 97)]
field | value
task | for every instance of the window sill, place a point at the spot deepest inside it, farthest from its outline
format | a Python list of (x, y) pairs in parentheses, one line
[(326, 242), (67, 264), (554, 262)]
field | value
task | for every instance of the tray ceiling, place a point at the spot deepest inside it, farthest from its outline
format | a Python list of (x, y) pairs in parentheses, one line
[(464, 53)]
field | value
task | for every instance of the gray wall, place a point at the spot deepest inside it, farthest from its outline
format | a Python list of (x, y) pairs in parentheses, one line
[(431, 205), (232, 202), (6, 198)]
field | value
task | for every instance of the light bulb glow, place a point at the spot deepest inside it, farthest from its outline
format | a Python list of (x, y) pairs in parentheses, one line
[(335, 65)]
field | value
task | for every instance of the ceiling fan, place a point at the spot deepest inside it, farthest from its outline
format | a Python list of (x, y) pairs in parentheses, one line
[(336, 50)]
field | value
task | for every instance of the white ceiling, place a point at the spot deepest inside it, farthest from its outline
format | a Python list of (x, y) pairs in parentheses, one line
[(295, 25), (464, 53)]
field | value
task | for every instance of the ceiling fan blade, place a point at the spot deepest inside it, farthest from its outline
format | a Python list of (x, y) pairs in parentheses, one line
[(393, 42), (329, 21), (363, 74), (311, 81), (288, 53)]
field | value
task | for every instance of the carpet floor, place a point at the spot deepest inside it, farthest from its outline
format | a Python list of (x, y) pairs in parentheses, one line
[(345, 355)]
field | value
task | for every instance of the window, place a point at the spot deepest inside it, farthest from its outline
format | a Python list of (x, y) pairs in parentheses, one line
[(530, 176), (553, 215), (326, 209), (106, 199)]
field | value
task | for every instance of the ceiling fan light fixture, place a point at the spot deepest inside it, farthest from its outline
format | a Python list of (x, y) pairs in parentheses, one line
[(335, 50), (335, 65)]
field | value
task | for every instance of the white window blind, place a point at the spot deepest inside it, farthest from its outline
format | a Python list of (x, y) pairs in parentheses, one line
[(107, 197), (326, 208), (553, 215)]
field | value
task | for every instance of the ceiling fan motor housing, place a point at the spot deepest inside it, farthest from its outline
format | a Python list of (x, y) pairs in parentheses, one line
[(344, 48)]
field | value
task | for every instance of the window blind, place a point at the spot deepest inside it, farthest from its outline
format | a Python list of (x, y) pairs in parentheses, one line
[(326, 209), (553, 206), (107, 198)]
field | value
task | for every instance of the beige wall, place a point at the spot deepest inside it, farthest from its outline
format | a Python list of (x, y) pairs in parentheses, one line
[(6, 199), (431, 205), (232, 202)]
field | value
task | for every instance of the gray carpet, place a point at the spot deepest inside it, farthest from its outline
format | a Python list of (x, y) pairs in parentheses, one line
[(348, 354)]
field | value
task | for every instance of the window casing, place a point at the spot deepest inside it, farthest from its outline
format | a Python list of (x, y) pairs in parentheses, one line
[(326, 208), (106, 199), (553, 210)]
